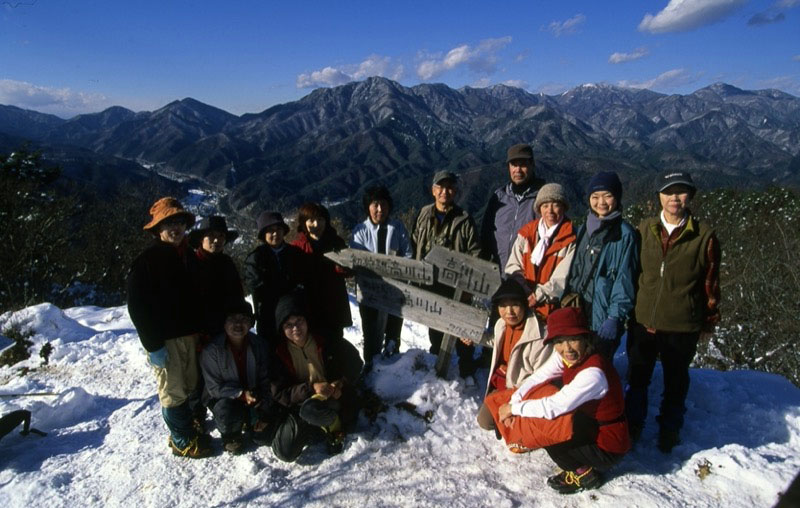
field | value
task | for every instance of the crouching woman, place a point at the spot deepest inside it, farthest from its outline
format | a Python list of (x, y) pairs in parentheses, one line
[(321, 395), (241, 379), (572, 406)]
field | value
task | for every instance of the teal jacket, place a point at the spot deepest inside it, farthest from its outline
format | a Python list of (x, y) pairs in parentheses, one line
[(612, 289)]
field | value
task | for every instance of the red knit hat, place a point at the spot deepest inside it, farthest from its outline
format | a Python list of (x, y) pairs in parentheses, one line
[(165, 208), (568, 321)]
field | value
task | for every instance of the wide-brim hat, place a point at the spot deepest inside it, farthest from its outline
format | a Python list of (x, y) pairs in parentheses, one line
[(212, 223), (569, 322), (267, 219), (166, 208)]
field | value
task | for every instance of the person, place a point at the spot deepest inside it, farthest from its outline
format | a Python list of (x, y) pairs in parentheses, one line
[(518, 348), (542, 253), (218, 279), (273, 269), (326, 288), (446, 224), (241, 380), (510, 206), (677, 305), (581, 383), (322, 376), (603, 272), (380, 234), (164, 308)]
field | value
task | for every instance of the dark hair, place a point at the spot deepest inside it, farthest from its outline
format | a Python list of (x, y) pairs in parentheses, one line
[(377, 193), (311, 210)]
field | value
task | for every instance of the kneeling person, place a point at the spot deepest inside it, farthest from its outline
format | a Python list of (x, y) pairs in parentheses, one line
[(241, 379), (579, 386)]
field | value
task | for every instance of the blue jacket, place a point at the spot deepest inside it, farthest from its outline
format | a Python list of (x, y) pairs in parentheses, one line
[(612, 290)]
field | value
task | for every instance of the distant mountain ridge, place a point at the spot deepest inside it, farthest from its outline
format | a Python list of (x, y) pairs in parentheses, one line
[(333, 142)]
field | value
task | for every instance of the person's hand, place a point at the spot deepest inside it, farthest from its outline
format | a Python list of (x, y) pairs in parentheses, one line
[(532, 300), (608, 330), (466, 342), (158, 358), (505, 416), (323, 388), (249, 399)]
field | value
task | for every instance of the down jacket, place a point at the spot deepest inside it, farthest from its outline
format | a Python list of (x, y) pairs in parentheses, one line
[(529, 352)]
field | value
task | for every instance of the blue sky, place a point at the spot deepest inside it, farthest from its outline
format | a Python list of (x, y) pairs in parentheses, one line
[(76, 56)]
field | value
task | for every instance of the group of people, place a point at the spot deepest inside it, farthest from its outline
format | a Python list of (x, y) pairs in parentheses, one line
[(568, 295)]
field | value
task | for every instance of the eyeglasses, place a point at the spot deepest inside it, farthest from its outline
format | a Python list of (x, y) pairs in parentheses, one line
[(296, 323)]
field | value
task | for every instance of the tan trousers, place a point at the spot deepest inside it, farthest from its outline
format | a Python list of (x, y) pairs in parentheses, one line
[(179, 378)]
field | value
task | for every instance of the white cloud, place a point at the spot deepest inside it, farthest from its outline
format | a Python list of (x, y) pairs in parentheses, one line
[(552, 88), (787, 4), (773, 14), (683, 15), (481, 59), (517, 83), (617, 58), (570, 26), (374, 65), (786, 84), (666, 81), (57, 101), (796, 58)]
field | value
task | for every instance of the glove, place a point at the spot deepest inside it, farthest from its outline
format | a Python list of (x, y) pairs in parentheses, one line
[(158, 358), (608, 330)]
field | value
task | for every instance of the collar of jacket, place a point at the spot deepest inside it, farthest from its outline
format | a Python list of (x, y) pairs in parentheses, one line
[(688, 228), (530, 191)]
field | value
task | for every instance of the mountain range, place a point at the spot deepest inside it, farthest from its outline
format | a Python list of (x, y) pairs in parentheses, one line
[(332, 143)]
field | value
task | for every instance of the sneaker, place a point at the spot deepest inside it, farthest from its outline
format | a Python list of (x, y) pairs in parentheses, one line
[(334, 442), (570, 482), (194, 450), (668, 439)]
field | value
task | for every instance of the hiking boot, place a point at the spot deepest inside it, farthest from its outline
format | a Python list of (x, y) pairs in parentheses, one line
[(194, 450), (668, 439), (570, 482), (334, 442), (199, 424), (233, 445)]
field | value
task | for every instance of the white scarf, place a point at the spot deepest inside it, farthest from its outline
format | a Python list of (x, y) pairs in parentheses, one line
[(545, 237)]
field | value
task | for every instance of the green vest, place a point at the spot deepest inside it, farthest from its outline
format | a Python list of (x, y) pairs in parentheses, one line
[(671, 293)]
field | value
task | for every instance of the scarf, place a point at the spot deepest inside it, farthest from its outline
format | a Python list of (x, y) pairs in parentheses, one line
[(545, 235), (593, 222)]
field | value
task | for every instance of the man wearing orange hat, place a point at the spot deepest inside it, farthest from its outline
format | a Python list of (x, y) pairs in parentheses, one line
[(163, 305)]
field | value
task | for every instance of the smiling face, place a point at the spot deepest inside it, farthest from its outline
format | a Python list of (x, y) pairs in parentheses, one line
[(273, 235), (602, 203), (172, 230), (213, 242), (511, 311), (572, 348), (552, 213), (237, 326), (296, 330), (379, 211), (444, 194), (315, 227), (674, 200), (519, 170)]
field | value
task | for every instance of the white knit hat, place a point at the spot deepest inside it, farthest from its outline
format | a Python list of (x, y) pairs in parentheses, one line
[(548, 193)]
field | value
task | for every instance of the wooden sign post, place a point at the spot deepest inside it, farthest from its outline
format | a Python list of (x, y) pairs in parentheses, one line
[(378, 287), (464, 273)]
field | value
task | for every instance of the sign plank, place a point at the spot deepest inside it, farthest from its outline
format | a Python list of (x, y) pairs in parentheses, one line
[(415, 304), (465, 272), (394, 267)]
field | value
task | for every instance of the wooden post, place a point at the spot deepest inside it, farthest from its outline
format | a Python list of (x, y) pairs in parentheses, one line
[(446, 349)]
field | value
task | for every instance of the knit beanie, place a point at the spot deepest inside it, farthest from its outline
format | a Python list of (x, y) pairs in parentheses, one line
[(549, 193), (510, 289), (606, 181)]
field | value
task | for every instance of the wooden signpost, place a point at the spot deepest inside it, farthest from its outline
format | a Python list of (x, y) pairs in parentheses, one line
[(379, 277)]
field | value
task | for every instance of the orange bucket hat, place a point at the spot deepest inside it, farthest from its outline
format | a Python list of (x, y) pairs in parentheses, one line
[(165, 208)]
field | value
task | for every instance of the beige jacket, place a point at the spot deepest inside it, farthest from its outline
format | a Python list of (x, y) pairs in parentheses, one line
[(527, 356)]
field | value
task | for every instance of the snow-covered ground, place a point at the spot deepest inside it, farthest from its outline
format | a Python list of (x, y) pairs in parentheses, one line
[(106, 442)]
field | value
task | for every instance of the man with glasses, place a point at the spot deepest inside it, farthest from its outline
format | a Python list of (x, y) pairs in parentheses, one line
[(446, 224)]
